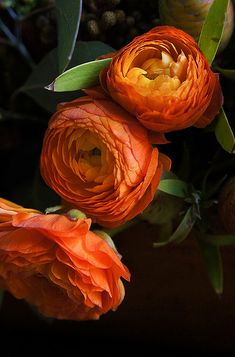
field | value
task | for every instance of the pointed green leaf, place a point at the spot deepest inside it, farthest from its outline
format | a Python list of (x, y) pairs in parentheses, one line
[(182, 230), (224, 133), (47, 70), (212, 29), (174, 187), (213, 262), (228, 73), (219, 239), (83, 76), (53, 209), (69, 15)]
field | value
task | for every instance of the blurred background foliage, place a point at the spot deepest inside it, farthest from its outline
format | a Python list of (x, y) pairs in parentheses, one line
[(28, 34)]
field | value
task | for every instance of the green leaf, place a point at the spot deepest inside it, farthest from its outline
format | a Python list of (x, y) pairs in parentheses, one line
[(228, 73), (219, 240), (182, 230), (83, 76), (68, 18), (53, 209), (47, 70), (212, 29), (224, 133), (174, 187), (213, 262)]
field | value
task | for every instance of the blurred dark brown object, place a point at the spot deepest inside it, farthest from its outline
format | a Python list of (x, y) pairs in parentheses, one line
[(227, 206), (39, 32), (116, 22), (11, 77)]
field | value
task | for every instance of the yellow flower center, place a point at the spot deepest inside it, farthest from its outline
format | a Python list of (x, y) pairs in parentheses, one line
[(159, 74), (91, 159)]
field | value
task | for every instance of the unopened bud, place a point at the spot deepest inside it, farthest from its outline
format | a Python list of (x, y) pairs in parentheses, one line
[(120, 16), (75, 214), (130, 21), (93, 28), (189, 15), (108, 19)]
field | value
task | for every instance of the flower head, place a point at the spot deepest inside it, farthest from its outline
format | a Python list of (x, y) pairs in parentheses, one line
[(99, 158), (58, 264), (163, 79)]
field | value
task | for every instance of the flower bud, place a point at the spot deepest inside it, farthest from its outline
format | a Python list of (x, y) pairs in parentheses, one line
[(93, 28), (108, 19), (189, 15), (75, 214), (120, 16), (226, 206)]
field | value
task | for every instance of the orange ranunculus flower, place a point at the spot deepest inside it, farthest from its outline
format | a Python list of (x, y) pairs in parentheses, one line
[(163, 78), (58, 265), (99, 158)]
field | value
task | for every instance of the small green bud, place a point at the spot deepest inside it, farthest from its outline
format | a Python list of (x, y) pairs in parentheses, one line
[(130, 21), (120, 16), (108, 19), (75, 214), (93, 28)]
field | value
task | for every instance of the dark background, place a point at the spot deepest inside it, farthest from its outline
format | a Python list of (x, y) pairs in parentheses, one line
[(170, 305)]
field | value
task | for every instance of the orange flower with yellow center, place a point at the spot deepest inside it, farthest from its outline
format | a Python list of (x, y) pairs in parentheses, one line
[(58, 265), (99, 158), (163, 79)]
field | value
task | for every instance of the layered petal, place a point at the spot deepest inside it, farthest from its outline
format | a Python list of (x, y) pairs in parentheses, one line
[(99, 158), (59, 265), (163, 79)]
